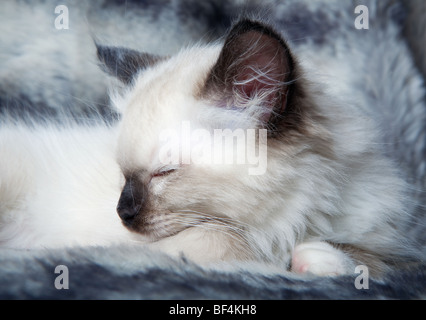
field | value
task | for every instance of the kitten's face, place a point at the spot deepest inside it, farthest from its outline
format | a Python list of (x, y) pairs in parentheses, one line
[(164, 112), (164, 101), (170, 115)]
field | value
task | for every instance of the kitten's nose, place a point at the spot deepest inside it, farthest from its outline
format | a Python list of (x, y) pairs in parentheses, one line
[(131, 202), (128, 214)]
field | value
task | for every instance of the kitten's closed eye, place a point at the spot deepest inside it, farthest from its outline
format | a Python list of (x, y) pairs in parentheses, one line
[(164, 171)]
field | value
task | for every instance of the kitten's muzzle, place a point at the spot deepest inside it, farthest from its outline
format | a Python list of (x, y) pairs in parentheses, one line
[(132, 201), (128, 214)]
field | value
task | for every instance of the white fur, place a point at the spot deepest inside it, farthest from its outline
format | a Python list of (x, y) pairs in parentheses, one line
[(58, 187)]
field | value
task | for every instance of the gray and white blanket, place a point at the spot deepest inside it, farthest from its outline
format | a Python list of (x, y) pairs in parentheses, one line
[(48, 67)]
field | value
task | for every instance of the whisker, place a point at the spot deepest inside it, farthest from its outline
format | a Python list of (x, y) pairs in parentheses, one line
[(234, 229), (218, 218), (237, 236), (216, 227)]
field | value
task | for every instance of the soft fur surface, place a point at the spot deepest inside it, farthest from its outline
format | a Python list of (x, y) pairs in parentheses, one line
[(323, 31), (128, 273)]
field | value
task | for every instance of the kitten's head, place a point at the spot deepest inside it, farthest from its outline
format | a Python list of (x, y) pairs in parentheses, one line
[(203, 133)]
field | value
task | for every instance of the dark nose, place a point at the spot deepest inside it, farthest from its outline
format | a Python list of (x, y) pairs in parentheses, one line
[(128, 214), (131, 201)]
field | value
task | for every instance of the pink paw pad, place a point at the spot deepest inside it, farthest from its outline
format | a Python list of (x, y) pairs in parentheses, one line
[(320, 258)]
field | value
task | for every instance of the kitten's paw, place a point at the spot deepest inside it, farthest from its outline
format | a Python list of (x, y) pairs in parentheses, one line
[(320, 258)]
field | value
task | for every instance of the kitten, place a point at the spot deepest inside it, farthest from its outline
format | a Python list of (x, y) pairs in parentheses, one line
[(326, 200)]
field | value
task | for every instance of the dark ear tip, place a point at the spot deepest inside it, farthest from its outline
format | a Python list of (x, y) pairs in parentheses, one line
[(247, 25), (98, 48), (123, 63), (103, 52)]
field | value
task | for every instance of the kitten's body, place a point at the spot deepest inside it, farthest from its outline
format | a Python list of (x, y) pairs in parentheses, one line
[(327, 180), (59, 187)]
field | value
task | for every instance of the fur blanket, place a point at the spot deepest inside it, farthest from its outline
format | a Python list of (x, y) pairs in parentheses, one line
[(43, 67), (129, 273)]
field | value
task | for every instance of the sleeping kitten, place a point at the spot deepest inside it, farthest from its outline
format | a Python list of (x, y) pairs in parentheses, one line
[(325, 200)]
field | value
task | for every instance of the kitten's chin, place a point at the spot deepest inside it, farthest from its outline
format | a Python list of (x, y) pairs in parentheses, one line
[(156, 232)]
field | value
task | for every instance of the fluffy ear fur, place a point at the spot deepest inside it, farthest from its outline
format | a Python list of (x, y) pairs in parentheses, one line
[(255, 63), (124, 63)]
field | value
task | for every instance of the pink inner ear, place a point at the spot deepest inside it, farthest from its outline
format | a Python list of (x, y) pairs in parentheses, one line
[(264, 73), (254, 62), (250, 89)]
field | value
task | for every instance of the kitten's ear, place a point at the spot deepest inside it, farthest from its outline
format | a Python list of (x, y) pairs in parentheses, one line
[(124, 63), (255, 62)]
